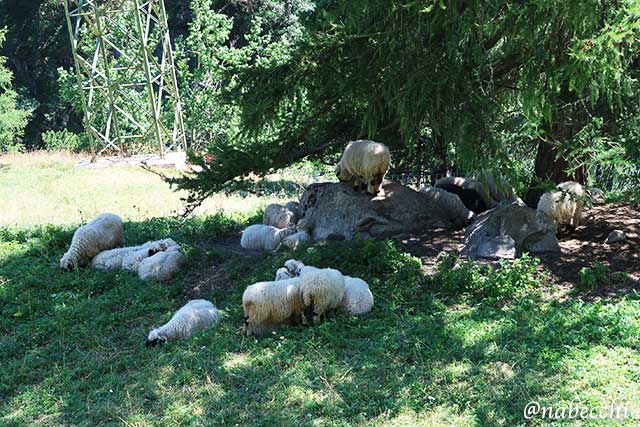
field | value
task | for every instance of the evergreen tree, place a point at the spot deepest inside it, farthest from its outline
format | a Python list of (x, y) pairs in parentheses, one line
[(12, 119)]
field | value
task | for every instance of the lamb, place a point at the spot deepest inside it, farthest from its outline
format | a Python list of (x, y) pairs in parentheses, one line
[(358, 298), (162, 265), (364, 163), (104, 232), (267, 305), (322, 290), (473, 194), (280, 216), (129, 258), (449, 203), (193, 316), (564, 206), (264, 237)]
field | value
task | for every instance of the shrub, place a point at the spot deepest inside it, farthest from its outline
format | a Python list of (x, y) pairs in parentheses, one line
[(600, 274), (64, 140)]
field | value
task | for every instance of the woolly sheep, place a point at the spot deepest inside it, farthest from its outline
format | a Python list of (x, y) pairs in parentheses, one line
[(322, 290), (279, 216), (162, 265), (297, 240), (358, 298), (264, 237), (267, 305), (193, 316), (450, 203), (293, 207), (473, 194), (104, 232), (364, 163), (565, 205), (282, 274), (130, 257), (497, 187)]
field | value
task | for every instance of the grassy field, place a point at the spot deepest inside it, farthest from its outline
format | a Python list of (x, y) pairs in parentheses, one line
[(466, 346)]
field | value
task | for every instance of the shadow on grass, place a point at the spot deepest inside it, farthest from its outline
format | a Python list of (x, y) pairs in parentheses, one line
[(71, 344)]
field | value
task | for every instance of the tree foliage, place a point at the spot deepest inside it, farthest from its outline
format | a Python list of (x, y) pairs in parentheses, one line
[(12, 119)]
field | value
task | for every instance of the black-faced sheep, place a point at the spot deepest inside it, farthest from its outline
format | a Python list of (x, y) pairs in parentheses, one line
[(104, 232), (264, 237), (280, 216), (268, 305), (193, 316), (364, 163), (565, 205)]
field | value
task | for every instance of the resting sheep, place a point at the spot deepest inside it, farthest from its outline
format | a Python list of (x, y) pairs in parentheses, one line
[(497, 187), (297, 240), (565, 205), (193, 316), (449, 203), (358, 298), (279, 216), (364, 163), (162, 265), (130, 257), (104, 232), (264, 237), (268, 305), (473, 194)]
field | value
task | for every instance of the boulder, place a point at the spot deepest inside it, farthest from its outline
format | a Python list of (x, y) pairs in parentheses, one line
[(490, 235), (334, 211), (616, 236)]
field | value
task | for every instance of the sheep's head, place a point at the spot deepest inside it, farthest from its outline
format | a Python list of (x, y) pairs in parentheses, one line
[(67, 263), (293, 266), (373, 187), (284, 233), (282, 274), (342, 174), (154, 339)]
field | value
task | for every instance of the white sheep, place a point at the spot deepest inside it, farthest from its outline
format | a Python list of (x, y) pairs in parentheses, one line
[(129, 258), (364, 163), (497, 187), (282, 274), (162, 265), (104, 232), (193, 316), (450, 204), (279, 216), (322, 291), (293, 207), (473, 194), (297, 240), (358, 298), (264, 237), (268, 305), (564, 206)]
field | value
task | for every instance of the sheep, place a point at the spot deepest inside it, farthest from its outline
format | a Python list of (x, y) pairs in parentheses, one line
[(498, 188), (280, 216), (264, 237), (450, 203), (473, 194), (193, 316), (293, 207), (162, 265), (104, 232), (267, 305), (322, 290), (130, 257), (364, 163), (282, 274), (358, 298), (564, 206), (297, 240)]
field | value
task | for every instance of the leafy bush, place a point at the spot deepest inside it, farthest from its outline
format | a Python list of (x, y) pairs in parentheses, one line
[(12, 119), (471, 280), (600, 274), (65, 140)]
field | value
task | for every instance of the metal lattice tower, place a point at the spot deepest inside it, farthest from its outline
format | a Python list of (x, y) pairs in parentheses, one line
[(126, 75)]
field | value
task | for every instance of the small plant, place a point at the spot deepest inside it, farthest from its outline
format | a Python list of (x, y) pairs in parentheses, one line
[(600, 274), (65, 140)]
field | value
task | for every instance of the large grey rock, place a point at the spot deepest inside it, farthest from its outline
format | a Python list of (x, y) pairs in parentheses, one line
[(336, 211), (531, 230), (498, 247)]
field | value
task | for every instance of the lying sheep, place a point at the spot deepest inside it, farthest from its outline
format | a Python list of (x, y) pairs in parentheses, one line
[(129, 258), (104, 232), (473, 194), (279, 216), (565, 205), (358, 298), (322, 291), (293, 207), (162, 265), (264, 237), (497, 187), (193, 316), (268, 305), (449, 203), (364, 164), (297, 240)]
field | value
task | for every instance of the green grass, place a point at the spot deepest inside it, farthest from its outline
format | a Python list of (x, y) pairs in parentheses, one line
[(466, 346)]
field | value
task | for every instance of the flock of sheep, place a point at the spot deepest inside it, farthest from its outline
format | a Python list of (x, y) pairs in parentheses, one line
[(299, 294)]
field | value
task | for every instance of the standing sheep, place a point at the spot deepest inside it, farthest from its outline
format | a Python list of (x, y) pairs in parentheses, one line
[(364, 163), (193, 316), (264, 237), (267, 305), (104, 232), (279, 216), (565, 205), (358, 298), (322, 290), (282, 274)]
